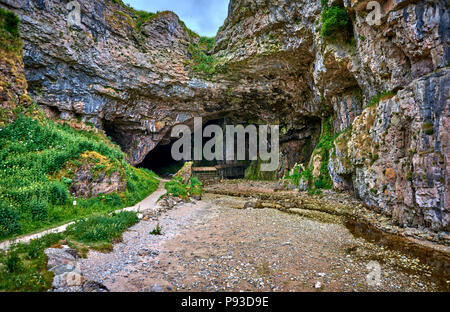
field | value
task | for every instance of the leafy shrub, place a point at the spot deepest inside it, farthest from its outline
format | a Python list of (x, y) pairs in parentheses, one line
[(10, 22), (335, 21), (195, 187), (195, 182), (9, 221), (320, 184), (66, 181), (296, 176), (102, 228), (12, 262), (39, 210), (58, 193)]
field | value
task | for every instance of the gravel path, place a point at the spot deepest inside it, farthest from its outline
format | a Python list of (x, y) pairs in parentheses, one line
[(147, 204), (210, 245)]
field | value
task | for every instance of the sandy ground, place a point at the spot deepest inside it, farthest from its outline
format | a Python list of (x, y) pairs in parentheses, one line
[(210, 246)]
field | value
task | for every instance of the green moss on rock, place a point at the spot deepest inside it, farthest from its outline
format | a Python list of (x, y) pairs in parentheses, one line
[(9, 32), (254, 172), (336, 22)]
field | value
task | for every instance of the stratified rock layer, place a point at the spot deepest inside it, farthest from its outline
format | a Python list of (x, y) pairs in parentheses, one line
[(271, 65)]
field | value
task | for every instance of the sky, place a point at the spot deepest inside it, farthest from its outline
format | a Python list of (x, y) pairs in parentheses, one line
[(202, 16)]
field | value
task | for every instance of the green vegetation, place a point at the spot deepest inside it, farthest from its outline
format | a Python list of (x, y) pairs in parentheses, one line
[(206, 43), (38, 161), (335, 22), (202, 62), (38, 157), (25, 265), (192, 34), (323, 181), (428, 128), (9, 32), (195, 188), (143, 17), (323, 149), (157, 230), (177, 188), (381, 96), (253, 172), (101, 229), (296, 176), (9, 220)]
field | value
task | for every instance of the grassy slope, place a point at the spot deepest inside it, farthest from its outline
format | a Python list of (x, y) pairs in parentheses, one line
[(33, 150), (36, 156)]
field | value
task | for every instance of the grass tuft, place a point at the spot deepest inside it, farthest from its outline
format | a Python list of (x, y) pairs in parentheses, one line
[(157, 230)]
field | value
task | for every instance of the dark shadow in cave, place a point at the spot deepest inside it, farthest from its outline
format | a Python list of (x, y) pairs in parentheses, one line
[(121, 138), (160, 161)]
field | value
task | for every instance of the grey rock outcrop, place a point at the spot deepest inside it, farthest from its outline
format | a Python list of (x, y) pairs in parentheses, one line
[(270, 64)]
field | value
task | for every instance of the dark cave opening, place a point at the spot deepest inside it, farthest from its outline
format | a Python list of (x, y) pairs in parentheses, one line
[(160, 161), (296, 146)]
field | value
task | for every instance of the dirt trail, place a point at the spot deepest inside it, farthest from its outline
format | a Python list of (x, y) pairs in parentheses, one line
[(146, 204), (210, 245)]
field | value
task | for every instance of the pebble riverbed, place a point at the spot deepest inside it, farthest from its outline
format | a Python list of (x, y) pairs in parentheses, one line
[(209, 245)]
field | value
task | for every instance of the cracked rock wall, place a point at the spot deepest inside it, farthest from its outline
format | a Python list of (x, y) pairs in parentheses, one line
[(271, 64)]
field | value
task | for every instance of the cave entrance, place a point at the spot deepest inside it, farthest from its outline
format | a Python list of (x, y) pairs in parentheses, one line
[(224, 169), (160, 161)]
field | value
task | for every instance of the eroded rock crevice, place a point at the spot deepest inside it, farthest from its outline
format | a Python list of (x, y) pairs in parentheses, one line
[(383, 87)]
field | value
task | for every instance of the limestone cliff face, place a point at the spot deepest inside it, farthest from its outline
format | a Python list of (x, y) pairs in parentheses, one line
[(135, 80), (269, 63), (104, 71), (395, 156)]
